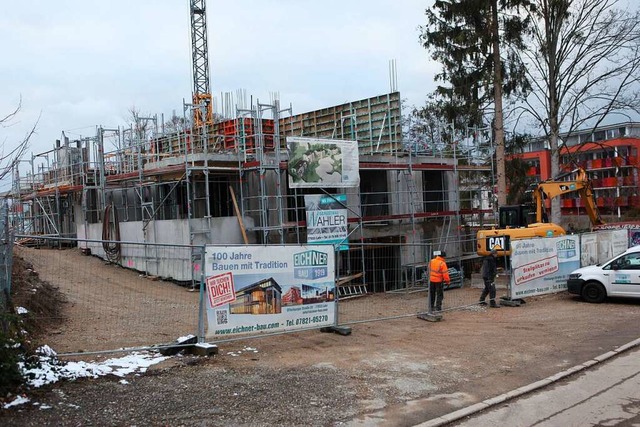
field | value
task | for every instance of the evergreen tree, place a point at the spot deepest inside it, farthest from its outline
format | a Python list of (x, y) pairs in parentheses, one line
[(465, 36)]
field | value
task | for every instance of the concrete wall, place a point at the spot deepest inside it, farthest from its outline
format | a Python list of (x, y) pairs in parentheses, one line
[(171, 262)]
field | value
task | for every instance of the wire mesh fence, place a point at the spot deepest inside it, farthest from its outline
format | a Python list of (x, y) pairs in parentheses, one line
[(111, 305), (6, 261), (134, 295), (394, 282)]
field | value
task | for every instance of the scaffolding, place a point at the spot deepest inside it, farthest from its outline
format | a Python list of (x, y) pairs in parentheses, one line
[(227, 183)]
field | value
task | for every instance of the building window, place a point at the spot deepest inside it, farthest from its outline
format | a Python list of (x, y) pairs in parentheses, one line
[(374, 193), (434, 194)]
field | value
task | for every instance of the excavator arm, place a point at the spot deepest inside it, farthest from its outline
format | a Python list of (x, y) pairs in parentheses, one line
[(554, 188), (500, 238)]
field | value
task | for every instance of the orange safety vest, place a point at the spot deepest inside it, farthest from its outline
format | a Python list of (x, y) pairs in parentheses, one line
[(438, 270)]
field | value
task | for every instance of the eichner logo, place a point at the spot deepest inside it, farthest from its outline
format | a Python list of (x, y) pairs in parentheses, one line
[(309, 259), (566, 248), (310, 265), (566, 244)]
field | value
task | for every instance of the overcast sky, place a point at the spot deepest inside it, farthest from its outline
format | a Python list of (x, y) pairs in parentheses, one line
[(79, 64)]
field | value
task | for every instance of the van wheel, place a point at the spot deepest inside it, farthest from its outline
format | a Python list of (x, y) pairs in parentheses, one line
[(593, 292)]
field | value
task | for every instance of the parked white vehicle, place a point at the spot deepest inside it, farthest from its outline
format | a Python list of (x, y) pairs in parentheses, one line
[(618, 277)]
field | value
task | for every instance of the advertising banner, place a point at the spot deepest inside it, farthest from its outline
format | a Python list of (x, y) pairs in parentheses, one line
[(542, 266), (322, 163), (253, 289), (327, 220)]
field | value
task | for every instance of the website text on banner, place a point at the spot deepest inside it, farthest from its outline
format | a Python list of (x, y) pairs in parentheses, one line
[(542, 266), (254, 289)]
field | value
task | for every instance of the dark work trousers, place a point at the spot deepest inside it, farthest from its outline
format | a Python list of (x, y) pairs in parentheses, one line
[(489, 289), (436, 295)]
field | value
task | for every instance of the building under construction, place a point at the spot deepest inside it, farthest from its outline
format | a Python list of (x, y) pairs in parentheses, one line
[(200, 179), (228, 183)]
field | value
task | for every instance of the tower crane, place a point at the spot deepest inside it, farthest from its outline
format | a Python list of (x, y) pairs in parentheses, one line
[(202, 99)]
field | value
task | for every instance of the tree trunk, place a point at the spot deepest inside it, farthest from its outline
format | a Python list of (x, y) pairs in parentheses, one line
[(554, 107), (498, 126), (556, 213)]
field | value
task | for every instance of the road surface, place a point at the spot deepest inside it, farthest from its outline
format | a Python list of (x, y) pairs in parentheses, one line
[(606, 395)]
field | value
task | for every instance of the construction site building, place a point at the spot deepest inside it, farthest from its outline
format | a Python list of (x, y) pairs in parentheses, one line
[(168, 183)]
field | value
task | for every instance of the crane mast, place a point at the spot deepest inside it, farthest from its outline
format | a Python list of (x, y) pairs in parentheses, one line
[(200, 62)]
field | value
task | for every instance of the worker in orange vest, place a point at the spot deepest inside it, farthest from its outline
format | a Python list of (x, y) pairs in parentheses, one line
[(438, 277)]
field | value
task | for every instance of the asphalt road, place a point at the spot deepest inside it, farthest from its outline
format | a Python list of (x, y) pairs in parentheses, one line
[(607, 394)]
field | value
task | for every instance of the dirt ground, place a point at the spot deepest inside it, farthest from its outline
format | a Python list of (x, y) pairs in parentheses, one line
[(109, 307), (386, 373)]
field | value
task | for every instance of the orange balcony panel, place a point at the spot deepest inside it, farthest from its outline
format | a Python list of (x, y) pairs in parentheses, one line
[(622, 201)]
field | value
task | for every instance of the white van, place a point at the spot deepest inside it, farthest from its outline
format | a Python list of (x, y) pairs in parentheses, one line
[(618, 277)]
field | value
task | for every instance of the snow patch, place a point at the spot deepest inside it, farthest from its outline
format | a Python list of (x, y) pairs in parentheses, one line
[(48, 369), (180, 340), (244, 350), (19, 400)]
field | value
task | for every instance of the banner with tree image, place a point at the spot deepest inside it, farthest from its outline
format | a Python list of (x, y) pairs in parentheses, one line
[(322, 163)]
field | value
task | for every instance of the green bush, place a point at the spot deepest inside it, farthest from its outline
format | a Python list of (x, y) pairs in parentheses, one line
[(11, 349)]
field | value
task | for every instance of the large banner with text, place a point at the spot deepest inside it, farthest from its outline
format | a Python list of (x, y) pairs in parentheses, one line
[(542, 266), (254, 289)]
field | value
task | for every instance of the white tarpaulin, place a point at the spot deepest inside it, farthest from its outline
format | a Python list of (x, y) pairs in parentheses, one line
[(588, 249), (600, 246)]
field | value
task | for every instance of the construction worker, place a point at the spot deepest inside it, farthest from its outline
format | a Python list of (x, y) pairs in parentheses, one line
[(489, 272), (438, 277)]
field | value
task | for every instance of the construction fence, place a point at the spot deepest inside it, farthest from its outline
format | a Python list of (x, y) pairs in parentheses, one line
[(128, 295), (114, 301), (6, 260)]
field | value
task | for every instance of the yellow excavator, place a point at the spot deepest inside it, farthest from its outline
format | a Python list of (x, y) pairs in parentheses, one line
[(528, 221)]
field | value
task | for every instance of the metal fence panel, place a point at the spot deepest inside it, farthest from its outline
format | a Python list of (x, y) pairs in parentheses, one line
[(394, 282), (6, 261), (110, 306), (114, 305)]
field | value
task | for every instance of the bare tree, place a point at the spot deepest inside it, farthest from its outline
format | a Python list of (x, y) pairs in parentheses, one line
[(11, 155), (583, 63), (175, 124), (140, 123)]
